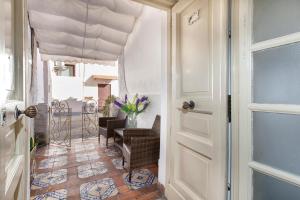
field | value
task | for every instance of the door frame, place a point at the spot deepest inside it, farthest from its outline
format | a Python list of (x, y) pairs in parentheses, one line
[(241, 87), (237, 53), (166, 92), (167, 79), (98, 86)]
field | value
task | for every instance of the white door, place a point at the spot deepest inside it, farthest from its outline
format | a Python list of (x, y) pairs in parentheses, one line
[(269, 100), (198, 135), (14, 134)]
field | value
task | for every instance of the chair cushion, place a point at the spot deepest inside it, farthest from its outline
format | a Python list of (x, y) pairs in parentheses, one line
[(127, 148), (120, 131), (156, 126), (103, 128)]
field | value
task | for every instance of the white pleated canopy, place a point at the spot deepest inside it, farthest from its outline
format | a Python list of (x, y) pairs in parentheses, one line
[(87, 31)]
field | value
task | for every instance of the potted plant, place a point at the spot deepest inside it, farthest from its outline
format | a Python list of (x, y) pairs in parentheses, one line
[(107, 108), (133, 108), (33, 146)]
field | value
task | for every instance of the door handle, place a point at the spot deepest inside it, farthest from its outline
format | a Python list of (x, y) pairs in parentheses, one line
[(30, 111), (188, 105)]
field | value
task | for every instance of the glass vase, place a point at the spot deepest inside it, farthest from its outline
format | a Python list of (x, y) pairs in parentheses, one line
[(131, 120)]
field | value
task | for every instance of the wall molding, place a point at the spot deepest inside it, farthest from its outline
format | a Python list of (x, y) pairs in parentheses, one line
[(162, 4)]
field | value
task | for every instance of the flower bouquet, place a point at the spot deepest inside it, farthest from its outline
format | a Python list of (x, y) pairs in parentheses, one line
[(132, 108)]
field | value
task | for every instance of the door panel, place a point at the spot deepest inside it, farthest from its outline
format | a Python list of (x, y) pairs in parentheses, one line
[(191, 185), (9, 145), (13, 151), (197, 125), (276, 140), (266, 187), (194, 38), (14, 137), (276, 75), (269, 100), (198, 138), (267, 26)]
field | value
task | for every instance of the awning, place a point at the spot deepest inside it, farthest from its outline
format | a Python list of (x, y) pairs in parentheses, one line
[(98, 79), (103, 77), (85, 30)]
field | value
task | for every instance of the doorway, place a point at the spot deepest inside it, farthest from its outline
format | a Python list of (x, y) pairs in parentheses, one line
[(104, 91), (198, 141)]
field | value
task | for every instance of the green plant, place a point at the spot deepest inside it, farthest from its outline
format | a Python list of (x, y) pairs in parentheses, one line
[(137, 105), (106, 107), (32, 143)]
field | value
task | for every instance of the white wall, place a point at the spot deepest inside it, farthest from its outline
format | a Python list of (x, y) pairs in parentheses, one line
[(142, 53), (145, 62), (64, 87), (95, 69), (40, 79)]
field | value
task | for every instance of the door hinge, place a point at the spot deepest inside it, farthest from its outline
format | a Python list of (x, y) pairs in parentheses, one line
[(229, 108), (228, 187)]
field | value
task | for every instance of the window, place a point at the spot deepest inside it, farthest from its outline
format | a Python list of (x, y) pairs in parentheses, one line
[(64, 69)]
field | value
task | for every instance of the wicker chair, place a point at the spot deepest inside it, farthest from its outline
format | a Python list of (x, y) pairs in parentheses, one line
[(141, 146), (108, 124)]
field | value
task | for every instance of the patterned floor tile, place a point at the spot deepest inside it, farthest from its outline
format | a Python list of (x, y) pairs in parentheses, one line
[(53, 162), (54, 151), (110, 165), (112, 152), (140, 178), (50, 178), (84, 147), (81, 157), (56, 195), (79, 147), (117, 162), (91, 169), (89, 147), (98, 190)]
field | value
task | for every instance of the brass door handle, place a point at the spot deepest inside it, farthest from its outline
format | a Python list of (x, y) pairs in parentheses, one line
[(31, 112), (188, 105)]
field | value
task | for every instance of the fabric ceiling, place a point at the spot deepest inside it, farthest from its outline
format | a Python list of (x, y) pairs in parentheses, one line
[(82, 30)]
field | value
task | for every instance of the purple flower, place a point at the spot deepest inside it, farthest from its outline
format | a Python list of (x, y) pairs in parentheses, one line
[(144, 107), (144, 98), (118, 104), (137, 103)]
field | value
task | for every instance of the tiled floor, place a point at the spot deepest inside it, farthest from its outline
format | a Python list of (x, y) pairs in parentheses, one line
[(89, 171)]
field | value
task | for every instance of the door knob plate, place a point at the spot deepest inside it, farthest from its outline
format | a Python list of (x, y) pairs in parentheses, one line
[(188, 105)]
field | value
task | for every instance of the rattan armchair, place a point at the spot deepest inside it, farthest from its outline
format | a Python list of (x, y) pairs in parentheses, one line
[(141, 146), (108, 124)]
